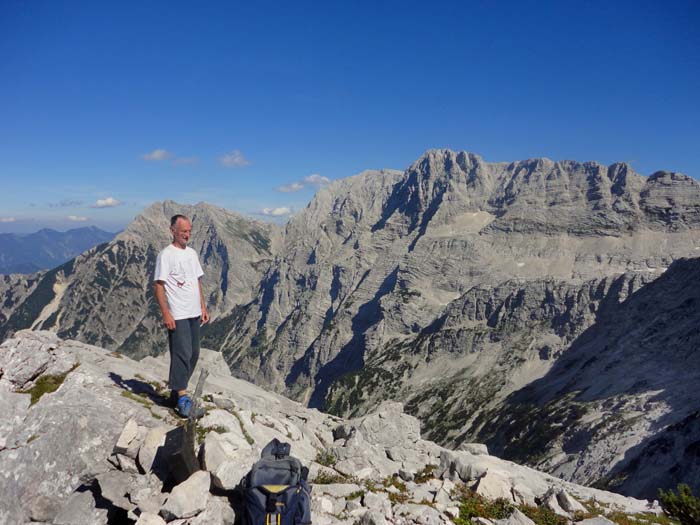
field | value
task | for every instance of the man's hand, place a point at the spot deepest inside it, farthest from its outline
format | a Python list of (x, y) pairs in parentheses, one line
[(168, 321), (205, 316)]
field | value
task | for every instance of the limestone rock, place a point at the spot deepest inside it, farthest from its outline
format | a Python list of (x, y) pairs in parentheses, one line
[(154, 440), (189, 498), (115, 486), (474, 448), (494, 485), (373, 517), (129, 433), (80, 509), (516, 518), (147, 518), (227, 461), (217, 512)]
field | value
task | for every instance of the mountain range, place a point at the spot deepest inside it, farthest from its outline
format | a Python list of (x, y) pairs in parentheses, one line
[(47, 248), (545, 308)]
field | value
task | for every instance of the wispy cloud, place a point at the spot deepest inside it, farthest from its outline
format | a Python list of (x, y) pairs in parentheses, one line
[(76, 218), (234, 159), (156, 155), (311, 180), (291, 188), (109, 202), (8, 219), (185, 161), (65, 203), (317, 180), (276, 212)]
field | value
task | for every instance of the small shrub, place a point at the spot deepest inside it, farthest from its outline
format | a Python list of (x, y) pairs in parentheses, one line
[(683, 506), (326, 458), (472, 505), (543, 515), (328, 478), (397, 498), (426, 474)]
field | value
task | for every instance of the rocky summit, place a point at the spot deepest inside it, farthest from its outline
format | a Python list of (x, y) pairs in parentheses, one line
[(543, 308), (84, 432)]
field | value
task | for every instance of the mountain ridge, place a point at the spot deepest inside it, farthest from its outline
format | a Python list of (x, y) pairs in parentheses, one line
[(374, 262)]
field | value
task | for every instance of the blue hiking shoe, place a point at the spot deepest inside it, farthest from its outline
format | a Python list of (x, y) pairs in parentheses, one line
[(184, 406)]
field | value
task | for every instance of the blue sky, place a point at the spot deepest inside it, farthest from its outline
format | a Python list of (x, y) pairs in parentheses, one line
[(106, 107)]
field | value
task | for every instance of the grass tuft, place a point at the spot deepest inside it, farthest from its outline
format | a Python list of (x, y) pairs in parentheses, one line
[(46, 384)]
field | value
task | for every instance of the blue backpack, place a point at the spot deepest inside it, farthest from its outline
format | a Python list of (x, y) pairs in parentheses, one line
[(275, 491)]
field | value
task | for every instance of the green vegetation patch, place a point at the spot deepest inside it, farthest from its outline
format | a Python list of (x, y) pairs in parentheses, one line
[(46, 384), (328, 478), (472, 505), (543, 516), (325, 458), (427, 473), (683, 506)]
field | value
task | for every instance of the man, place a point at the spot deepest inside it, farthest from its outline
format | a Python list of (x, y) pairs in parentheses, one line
[(178, 290)]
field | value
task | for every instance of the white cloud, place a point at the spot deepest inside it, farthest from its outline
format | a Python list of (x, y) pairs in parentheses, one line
[(234, 159), (317, 179), (276, 212), (76, 218), (157, 154), (311, 180), (109, 202), (291, 188), (8, 219)]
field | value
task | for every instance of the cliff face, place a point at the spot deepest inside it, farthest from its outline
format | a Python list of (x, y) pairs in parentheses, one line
[(451, 286)]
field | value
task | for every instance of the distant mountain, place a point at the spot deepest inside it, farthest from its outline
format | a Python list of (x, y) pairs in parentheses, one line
[(45, 249)]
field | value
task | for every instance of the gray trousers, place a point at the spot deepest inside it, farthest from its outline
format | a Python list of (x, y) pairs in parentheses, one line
[(184, 351)]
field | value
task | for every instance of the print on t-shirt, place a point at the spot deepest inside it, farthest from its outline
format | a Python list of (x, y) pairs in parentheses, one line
[(178, 275)]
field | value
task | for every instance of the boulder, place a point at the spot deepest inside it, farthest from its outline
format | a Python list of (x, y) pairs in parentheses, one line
[(378, 501), (494, 485), (516, 518), (227, 461), (154, 440), (80, 509), (115, 486), (129, 433), (373, 517), (598, 520), (189, 498), (478, 449), (217, 512), (551, 501), (569, 503), (148, 518), (460, 466)]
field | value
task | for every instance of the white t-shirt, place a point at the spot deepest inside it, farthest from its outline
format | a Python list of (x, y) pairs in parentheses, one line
[(180, 271)]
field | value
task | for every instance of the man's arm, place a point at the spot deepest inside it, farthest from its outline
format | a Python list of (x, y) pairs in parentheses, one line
[(205, 314), (159, 291)]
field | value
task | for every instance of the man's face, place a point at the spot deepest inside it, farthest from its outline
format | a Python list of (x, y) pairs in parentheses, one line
[(181, 232)]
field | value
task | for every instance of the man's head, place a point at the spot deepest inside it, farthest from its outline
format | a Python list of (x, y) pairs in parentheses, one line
[(181, 228)]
